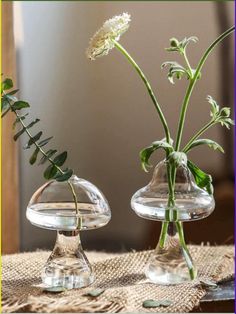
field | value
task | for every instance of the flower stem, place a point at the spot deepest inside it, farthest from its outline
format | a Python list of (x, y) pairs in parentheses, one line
[(148, 86), (192, 271), (192, 84), (196, 136)]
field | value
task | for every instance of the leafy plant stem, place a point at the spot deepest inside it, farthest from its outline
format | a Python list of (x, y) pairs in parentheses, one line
[(148, 86), (187, 62), (192, 84), (196, 136), (49, 159)]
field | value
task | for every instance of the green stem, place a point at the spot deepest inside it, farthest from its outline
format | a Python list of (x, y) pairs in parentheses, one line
[(187, 62), (187, 255), (196, 136), (163, 235), (148, 86), (192, 84)]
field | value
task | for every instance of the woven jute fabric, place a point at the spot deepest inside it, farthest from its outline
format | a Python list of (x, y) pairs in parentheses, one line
[(122, 277)]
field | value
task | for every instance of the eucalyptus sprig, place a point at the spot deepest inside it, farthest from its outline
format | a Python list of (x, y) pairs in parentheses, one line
[(10, 103)]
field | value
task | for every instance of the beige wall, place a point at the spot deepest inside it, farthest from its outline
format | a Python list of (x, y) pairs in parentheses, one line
[(99, 111)]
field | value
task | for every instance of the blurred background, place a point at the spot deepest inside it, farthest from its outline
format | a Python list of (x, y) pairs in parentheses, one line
[(101, 113)]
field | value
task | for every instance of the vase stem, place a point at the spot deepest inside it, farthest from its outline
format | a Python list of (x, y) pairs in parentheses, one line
[(67, 266), (171, 262)]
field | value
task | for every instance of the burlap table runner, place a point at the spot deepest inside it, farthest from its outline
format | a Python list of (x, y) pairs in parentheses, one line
[(122, 277)]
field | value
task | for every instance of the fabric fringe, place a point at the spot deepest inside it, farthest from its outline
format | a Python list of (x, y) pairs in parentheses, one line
[(61, 305)]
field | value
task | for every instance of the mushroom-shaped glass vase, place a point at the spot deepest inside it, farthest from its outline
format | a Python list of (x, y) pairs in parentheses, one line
[(53, 207), (171, 262)]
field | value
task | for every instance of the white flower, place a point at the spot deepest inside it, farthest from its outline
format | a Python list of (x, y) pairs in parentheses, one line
[(102, 41)]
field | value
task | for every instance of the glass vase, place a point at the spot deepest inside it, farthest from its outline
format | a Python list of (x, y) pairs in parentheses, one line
[(53, 207), (171, 262)]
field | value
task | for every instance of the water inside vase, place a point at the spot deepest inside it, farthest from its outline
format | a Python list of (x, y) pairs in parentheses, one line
[(62, 216), (191, 202)]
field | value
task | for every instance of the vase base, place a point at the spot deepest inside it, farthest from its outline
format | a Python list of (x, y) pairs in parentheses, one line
[(67, 273), (168, 269)]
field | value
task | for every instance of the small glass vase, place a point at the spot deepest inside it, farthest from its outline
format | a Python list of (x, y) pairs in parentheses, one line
[(171, 262), (53, 207)]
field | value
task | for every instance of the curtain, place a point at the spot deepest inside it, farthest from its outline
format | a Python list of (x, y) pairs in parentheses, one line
[(9, 167)]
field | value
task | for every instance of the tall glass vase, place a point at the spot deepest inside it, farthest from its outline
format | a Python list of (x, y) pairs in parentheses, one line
[(171, 262)]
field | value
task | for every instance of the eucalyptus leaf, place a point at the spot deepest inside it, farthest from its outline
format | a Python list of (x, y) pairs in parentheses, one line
[(49, 154), (18, 119), (5, 112), (202, 179), (34, 139), (60, 159), (13, 92), (17, 135), (10, 97), (32, 123), (4, 104), (45, 141), (34, 156), (208, 142), (94, 293), (205, 283), (7, 84), (20, 105), (156, 303), (50, 172), (65, 176)]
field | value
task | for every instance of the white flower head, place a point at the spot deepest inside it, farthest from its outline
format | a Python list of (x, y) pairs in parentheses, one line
[(102, 41)]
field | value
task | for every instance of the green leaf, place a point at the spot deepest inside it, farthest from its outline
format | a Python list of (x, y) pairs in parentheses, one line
[(187, 41), (13, 92), (202, 179), (7, 84), (4, 104), (33, 139), (17, 135), (214, 107), (5, 112), (20, 105), (49, 154), (208, 284), (180, 46), (156, 303), (32, 123), (19, 118), (94, 293), (50, 172), (65, 176), (178, 159), (45, 141), (60, 159), (175, 70), (34, 156), (210, 143), (146, 153), (55, 289)]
